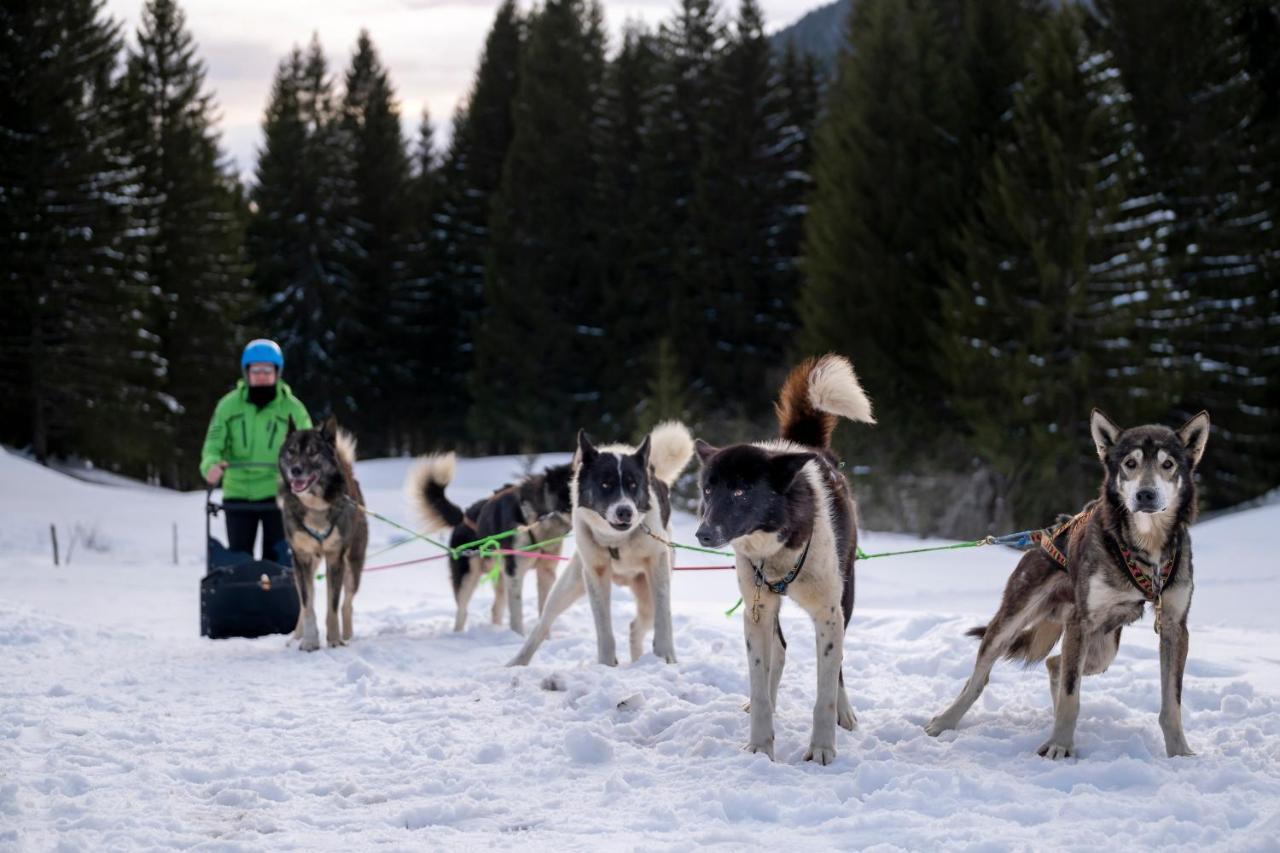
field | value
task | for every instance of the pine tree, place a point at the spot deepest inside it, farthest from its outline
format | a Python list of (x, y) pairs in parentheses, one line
[(376, 215), (468, 177), (1039, 323), (689, 47), (739, 276), (1196, 105), (195, 268), (543, 279), (302, 255), (889, 190), (76, 353)]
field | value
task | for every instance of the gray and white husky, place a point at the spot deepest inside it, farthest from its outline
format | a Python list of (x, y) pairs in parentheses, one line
[(787, 510), (1095, 574), (621, 525), (323, 520)]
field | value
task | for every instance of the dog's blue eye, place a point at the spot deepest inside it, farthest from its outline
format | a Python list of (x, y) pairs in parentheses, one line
[(1168, 464), (631, 484), (737, 493), (1130, 464), (707, 490)]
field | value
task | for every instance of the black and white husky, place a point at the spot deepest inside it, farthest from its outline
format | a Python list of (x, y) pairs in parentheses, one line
[(786, 509), (621, 524), (538, 506), (1093, 575)]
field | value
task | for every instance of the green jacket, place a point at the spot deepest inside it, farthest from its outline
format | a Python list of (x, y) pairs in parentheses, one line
[(241, 432)]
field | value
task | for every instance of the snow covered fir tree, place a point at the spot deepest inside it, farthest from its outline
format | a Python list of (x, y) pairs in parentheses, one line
[(1004, 212)]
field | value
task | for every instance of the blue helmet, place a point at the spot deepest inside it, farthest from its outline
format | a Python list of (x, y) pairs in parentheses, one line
[(262, 351)]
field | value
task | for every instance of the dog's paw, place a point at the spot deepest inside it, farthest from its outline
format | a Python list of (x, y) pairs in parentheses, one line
[(824, 755), (766, 747), (938, 725), (1054, 751), (846, 719), (1179, 750), (668, 657), (613, 661), (309, 644)]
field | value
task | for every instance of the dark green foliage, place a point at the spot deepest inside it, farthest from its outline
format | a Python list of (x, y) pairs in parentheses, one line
[(75, 355), (376, 216), (194, 266), (890, 187), (1059, 259), (1191, 67), (545, 268), (468, 176), (303, 255)]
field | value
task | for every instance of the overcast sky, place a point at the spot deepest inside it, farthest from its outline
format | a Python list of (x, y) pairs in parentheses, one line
[(430, 46)]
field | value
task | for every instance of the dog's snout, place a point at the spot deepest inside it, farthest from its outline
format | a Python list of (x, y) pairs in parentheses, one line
[(1146, 497), (295, 471), (623, 514), (705, 537)]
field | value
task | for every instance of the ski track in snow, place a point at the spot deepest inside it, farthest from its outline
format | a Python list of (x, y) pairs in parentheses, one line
[(122, 729)]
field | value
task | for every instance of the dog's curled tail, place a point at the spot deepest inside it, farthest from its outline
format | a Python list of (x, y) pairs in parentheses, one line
[(670, 449), (1031, 645), (345, 445), (817, 393), (424, 489)]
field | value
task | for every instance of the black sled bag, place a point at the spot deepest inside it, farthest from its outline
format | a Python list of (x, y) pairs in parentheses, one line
[(248, 599)]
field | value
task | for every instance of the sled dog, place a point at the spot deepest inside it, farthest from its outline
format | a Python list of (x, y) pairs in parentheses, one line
[(788, 512), (1094, 574)]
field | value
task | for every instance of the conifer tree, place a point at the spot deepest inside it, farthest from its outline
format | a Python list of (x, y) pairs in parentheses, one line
[(543, 278), (376, 216), (888, 194), (1039, 322), (195, 267), (301, 252), (1196, 107), (76, 355), (469, 175)]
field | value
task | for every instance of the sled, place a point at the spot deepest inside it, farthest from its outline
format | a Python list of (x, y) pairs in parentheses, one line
[(241, 596)]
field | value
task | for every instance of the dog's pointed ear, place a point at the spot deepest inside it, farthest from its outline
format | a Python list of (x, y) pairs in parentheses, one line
[(293, 427), (784, 469), (329, 429), (1104, 432), (705, 451), (1195, 435), (642, 454), (587, 452)]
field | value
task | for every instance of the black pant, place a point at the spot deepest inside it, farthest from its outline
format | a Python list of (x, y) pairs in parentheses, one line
[(242, 529)]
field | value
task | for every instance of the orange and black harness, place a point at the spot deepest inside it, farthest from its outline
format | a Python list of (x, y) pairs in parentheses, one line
[(1053, 541)]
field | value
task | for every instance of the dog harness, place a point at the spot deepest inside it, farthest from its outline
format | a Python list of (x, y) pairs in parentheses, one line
[(319, 537), (776, 587), (1053, 541)]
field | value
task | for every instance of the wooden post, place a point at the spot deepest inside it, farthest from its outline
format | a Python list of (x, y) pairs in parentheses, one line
[(175, 543), (53, 534)]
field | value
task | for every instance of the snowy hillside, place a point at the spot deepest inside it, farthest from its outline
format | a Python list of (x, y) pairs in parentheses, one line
[(121, 728)]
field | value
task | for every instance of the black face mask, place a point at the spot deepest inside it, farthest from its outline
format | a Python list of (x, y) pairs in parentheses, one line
[(261, 395)]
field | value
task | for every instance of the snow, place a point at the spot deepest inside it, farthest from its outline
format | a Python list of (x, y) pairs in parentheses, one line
[(120, 728)]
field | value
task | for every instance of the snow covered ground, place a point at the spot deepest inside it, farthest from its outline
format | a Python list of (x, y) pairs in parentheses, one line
[(121, 728)]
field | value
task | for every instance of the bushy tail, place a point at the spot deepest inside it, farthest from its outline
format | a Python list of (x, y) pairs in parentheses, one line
[(670, 449), (424, 489), (345, 444), (1031, 645), (816, 394)]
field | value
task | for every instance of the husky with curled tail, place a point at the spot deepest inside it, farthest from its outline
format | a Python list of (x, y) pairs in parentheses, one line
[(621, 522), (787, 510), (322, 507)]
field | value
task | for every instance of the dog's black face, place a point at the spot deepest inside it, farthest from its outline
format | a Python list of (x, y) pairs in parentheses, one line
[(614, 485), (309, 458), (744, 490), (1149, 468), (555, 488)]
